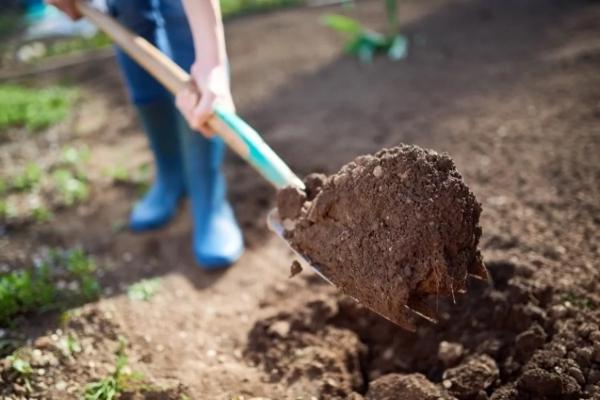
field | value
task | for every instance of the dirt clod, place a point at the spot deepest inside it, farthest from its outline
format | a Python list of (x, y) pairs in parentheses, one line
[(389, 229), (295, 268), (468, 379), (450, 353), (290, 202), (406, 387)]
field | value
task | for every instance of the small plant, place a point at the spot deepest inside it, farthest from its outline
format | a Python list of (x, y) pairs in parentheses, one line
[(364, 42), (28, 179), (35, 109), (6, 210), (108, 388), (119, 174), (71, 187), (75, 156), (69, 346), (36, 289), (144, 289), (82, 267), (41, 214), (24, 291), (20, 365)]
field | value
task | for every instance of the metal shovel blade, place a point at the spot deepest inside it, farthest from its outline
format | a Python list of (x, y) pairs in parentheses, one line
[(276, 226)]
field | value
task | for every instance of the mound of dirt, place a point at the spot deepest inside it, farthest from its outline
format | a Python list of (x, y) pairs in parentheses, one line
[(388, 229), (511, 340)]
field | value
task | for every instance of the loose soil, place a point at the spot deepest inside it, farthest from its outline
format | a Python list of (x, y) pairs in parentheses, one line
[(388, 229), (510, 89)]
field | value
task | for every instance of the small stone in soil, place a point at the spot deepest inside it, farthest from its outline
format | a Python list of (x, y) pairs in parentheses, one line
[(450, 353), (295, 268)]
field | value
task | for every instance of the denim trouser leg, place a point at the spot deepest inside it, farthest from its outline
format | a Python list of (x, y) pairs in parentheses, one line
[(180, 44), (140, 17)]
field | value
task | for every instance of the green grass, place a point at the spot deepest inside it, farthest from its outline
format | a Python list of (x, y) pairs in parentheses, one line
[(64, 183), (78, 44), (144, 289), (71, 187), (37, 289), (34, 109), (231, 8), (27, 179)]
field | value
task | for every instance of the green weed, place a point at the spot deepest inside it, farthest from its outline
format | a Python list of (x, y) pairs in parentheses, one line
[(6, 211), (236, 7), (75, 156), (69, 346), (41, 214), (144, 289), (109, 387), (364, 42), (28, 179), (36, 289), (119, 174), (71, 187), (20, 365), (35, 109)]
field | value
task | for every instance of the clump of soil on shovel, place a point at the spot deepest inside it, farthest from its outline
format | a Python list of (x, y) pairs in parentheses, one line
[(389, 229)]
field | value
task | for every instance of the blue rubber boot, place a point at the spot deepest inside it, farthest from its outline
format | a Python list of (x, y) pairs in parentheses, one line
[(217, 239), (160, 122)]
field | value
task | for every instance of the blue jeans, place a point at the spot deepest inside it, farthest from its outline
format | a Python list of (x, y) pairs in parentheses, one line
[(164, 24)]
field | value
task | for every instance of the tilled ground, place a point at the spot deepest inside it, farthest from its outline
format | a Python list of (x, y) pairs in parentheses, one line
[(510, 89)]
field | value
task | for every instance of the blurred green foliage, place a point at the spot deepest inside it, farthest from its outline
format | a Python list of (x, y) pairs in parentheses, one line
[(231, 8), (61, 279), (144, 289), (27, 179), (35, 109), (110, 387), (78, 44), (364, 42)]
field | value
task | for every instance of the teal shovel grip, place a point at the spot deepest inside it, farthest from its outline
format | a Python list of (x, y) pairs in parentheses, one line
[(247, 143)]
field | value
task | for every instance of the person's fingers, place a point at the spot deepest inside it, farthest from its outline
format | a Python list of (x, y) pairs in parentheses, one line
[(186, 101), (202, 112)]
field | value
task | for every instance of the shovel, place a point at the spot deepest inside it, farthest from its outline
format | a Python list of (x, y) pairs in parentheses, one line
[(236, 133)]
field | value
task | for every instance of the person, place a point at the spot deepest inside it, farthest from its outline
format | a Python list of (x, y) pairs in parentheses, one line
[(187, 163)]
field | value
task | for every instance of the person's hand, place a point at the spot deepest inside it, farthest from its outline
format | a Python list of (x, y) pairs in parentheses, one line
[(66, 6), (213, 86)]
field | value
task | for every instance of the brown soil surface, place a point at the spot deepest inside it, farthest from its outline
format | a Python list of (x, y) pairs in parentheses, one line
[(389, 229), (510, 89)]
